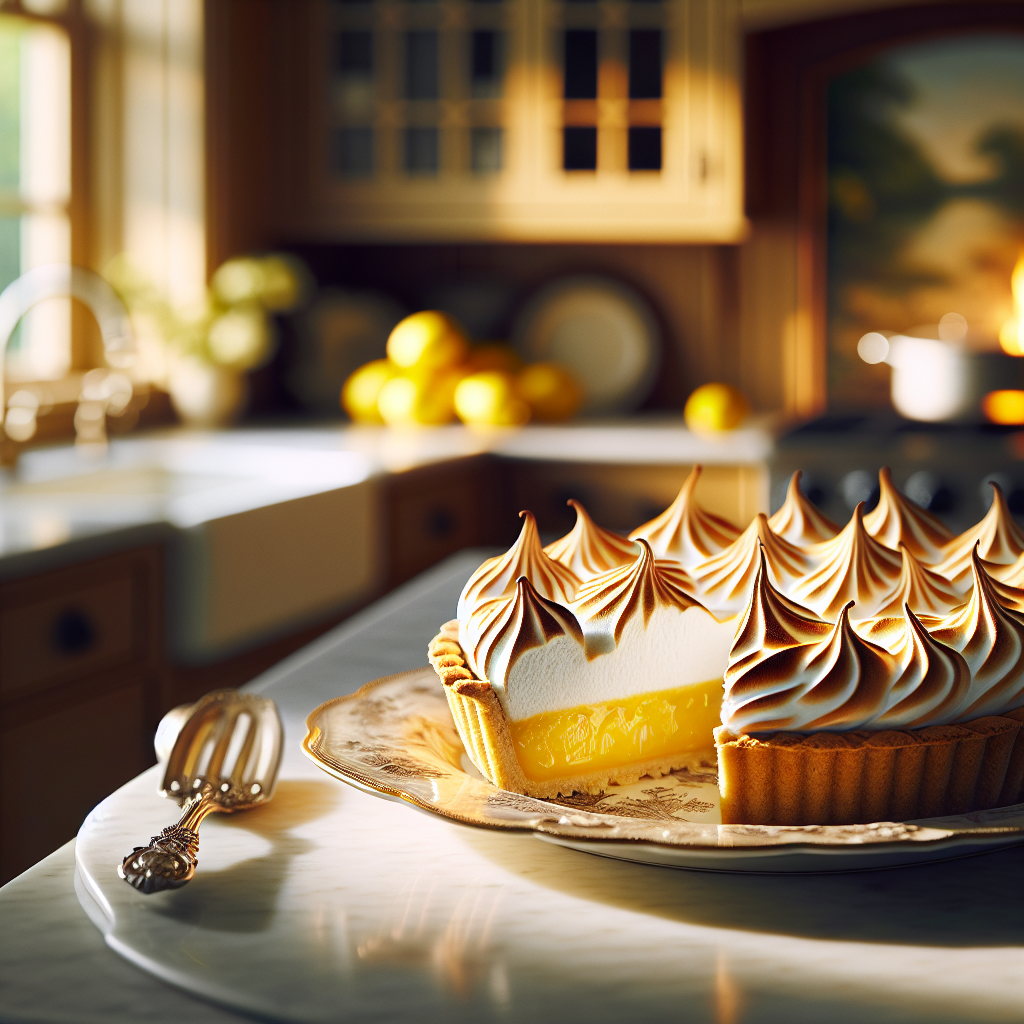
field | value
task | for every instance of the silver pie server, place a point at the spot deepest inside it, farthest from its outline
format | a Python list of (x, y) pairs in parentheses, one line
[(222, 753)]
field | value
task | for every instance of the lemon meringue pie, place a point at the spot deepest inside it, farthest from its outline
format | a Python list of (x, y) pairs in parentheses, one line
[(839, 674)]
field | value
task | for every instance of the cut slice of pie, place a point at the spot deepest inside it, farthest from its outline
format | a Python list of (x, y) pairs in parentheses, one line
[(624, 681)]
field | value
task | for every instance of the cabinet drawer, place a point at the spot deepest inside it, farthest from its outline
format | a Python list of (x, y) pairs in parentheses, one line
[(434, 511), (69, 634)]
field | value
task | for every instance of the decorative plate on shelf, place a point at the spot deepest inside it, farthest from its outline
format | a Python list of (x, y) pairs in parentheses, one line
[(602, 330), (395, 738)]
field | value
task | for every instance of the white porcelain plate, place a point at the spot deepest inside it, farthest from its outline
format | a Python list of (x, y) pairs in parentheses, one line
[(395, 738), (602, 331)]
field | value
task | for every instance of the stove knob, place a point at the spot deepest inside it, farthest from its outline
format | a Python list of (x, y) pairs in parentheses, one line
[(1012, 490), (857, 486), (930, 492)]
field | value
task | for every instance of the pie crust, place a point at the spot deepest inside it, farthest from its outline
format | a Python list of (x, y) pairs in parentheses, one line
[(854, 778)]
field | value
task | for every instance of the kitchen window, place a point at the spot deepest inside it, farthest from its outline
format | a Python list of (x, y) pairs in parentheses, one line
[(35, 184)]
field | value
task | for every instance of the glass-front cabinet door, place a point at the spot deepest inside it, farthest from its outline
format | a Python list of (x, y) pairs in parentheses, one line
[(604, 120)]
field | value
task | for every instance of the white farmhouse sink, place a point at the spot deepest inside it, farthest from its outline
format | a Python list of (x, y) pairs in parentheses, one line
[(264, 534)]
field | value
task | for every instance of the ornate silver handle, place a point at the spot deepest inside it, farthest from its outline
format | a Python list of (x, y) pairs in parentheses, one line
[(170, 859)]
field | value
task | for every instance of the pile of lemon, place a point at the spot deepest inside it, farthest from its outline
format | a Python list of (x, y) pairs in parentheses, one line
[(432, 375)]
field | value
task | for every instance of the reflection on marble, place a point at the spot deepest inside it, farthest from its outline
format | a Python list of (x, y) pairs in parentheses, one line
[(55, 968), (335, 899)]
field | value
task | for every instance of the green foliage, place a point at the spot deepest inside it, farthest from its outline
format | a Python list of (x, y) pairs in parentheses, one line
[(10, 103), (882, 188)]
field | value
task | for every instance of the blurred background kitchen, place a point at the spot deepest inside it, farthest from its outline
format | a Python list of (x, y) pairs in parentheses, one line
[(620, 237)]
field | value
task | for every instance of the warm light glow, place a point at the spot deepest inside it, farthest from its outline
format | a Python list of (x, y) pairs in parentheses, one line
[(1006, 407), (873, 347), (1011, 336)]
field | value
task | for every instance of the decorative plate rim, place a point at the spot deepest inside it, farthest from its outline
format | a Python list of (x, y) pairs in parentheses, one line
[(567, 823)]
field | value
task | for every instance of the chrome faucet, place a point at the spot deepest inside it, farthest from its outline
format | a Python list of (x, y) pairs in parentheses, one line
[(102, 390)]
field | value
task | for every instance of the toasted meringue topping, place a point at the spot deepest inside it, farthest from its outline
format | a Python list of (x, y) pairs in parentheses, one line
[(798, 521), (997, 537), (1007, 581), (724, 582), (991, 639), (684, 532), (772, 623), (528, 621), (853, 566), (896, 520), (934, 681), (589, 550), (476, 632), (605, 604), (497, 577), (838, 683), (925, 591), (790, 671)]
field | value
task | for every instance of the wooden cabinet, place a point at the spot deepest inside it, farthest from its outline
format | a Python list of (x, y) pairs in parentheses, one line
[(81, 690), (434, 511), (519, 120), (622, 497)]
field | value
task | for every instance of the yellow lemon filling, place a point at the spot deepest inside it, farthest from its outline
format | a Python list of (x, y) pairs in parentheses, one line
[(612, 734)]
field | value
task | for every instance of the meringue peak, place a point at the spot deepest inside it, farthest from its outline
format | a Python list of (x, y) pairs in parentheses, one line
[(997, 537), (684, 532), (497, 576), (839, 682), (798, 520), (772, 622), (724, 582), (991, 639), (605, 604), (853, 566), (926, 592), (529, 621), (897, 520), (588, 549), (934, 682)]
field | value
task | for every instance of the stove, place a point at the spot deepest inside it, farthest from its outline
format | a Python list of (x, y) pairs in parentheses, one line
[(945, 467)]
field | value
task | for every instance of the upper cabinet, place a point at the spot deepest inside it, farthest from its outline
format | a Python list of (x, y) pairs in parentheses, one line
[(515, 120)]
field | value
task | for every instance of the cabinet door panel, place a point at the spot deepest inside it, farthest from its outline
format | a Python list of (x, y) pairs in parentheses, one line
[(55, 768), (71, 633)]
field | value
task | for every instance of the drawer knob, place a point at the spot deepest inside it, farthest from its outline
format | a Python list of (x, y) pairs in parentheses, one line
[(440, 523), (73, 632)]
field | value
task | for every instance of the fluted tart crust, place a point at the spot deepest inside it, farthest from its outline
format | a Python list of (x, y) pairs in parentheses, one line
[(850, 778)]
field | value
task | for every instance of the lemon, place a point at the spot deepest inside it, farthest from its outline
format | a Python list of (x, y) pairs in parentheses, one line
[(282, 285), (360, 392), (551, 391), (238, 280), (427, 341), (489, 398), (276, 281), (418, 399), (241, 338), (715, 407)]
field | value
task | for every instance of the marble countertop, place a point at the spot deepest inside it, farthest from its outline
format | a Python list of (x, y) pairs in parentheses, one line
[(483, 926), (62, 505)]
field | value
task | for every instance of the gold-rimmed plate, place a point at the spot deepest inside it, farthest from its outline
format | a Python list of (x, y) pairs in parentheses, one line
[(395, 738)]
